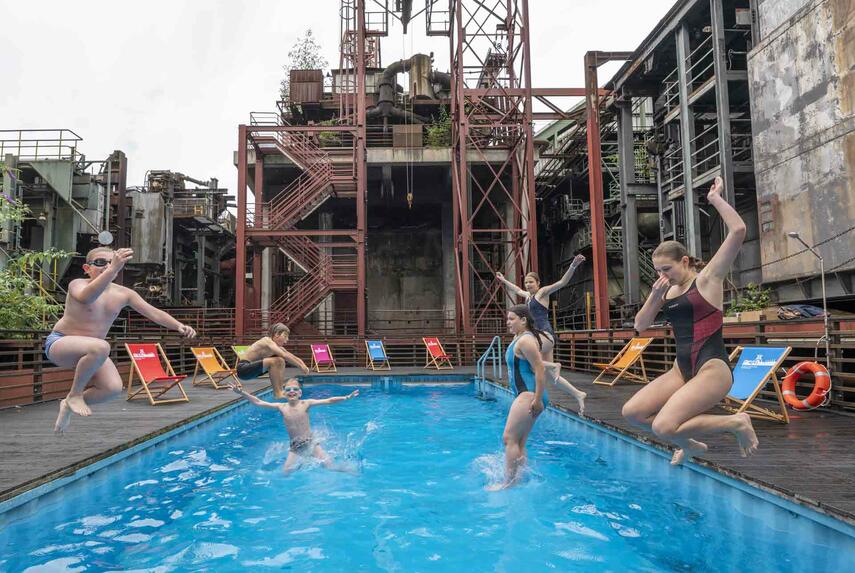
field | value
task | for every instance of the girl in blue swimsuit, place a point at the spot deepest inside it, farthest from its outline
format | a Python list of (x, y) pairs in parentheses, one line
[(674, 405), (526, 380), (537, 302)]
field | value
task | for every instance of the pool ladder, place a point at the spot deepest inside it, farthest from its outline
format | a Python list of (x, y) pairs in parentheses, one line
[(493, 354)]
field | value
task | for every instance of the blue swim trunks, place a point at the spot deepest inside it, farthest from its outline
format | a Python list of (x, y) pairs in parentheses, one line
[(51, 338)]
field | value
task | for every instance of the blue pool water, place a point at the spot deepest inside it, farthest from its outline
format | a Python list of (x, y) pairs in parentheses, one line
[(214, 499)]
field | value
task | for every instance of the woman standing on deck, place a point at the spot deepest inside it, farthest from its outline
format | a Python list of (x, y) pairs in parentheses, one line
[(537, 302), (526, 380), (673, 405)]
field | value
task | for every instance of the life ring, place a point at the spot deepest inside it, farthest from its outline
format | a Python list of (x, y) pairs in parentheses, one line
[(821, 385)]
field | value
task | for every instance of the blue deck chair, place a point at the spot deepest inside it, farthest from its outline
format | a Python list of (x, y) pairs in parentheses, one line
[(375, 356), (756, 366)]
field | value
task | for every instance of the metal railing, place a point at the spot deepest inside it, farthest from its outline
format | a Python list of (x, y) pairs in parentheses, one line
[(35, 144), (494, 354)]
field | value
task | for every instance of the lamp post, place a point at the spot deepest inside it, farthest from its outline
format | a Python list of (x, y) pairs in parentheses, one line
[(795, 235)]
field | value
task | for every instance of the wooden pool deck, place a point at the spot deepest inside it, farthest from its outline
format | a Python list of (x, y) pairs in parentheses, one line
[(811, 460)]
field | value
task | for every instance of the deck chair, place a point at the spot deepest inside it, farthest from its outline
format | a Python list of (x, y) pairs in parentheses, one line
[(147, 361), (375, 356), (322, 358), (435, 356), (214, 368), (755, 367), (237, 349), (626, 359)]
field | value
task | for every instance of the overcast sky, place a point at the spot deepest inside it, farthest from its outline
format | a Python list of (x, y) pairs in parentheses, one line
[(168, 82)]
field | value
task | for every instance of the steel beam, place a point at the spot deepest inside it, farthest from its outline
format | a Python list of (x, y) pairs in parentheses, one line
[(628, 213), (687, 134), (258, 191), (240, 236), (361, 169), (595, 187)]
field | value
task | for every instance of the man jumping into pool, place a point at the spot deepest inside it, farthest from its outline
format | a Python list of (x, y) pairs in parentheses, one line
[(78, 338), (268, 353), (674, 405), (295, 414)]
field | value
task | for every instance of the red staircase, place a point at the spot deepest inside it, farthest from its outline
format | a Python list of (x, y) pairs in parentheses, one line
[(321, 178)]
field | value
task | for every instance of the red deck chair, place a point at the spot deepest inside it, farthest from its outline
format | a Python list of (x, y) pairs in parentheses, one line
[(146, 363), (322, 358), (435, 356)]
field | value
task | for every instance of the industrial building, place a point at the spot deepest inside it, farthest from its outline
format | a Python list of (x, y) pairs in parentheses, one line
[(183, 237)]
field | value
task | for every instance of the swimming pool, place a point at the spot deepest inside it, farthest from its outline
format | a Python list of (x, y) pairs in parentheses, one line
[(214, 499)]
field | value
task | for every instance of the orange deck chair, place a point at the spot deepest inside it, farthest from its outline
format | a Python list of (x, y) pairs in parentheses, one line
[(435, 356), (322, 358), (626, 359), (146, 363), (375, 356), (214, 368)]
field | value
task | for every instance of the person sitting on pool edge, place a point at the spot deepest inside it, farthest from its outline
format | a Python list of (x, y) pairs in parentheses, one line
[(78, 339), (295, 414), (269, 354)]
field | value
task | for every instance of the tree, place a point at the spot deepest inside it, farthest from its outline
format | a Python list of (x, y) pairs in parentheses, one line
[(305, 54)]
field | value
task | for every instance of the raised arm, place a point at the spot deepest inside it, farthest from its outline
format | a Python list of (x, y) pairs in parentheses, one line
[(251, 398), (511, 286), (333, 400), (547, 290), (87, 292), (136, 302), (652, 305), (721, 262), (530, 351)]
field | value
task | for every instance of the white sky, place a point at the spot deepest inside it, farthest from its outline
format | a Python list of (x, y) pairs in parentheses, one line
[(168, 82)]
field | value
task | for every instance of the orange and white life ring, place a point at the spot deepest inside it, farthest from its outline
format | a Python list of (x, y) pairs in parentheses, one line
[(821, 385)]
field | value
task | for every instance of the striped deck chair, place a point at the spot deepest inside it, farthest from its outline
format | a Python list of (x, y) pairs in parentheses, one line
[(214, 368), (756, 366), (435, 356), (626, 359), (375, 356), (322, 358), (147, 360)]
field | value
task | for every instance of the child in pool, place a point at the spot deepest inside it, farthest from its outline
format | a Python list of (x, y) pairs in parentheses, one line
[(295, 414)]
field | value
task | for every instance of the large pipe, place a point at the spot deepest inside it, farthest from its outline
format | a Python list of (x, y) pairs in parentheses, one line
[(385, 107)]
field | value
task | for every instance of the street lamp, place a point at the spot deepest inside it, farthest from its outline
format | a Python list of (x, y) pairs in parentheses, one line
[(795, 235)]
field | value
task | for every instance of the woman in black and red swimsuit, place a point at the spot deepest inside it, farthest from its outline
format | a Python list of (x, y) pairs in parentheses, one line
[(673, 405)]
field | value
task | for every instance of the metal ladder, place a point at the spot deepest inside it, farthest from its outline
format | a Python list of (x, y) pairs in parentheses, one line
[(493, 353)]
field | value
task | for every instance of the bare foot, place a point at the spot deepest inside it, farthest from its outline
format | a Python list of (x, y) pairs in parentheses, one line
[(695, 448), (63, 419), (580, 399), (745, 436), (77, 405)]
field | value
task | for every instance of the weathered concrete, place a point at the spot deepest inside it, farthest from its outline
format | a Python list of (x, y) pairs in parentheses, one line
[(802, 81)]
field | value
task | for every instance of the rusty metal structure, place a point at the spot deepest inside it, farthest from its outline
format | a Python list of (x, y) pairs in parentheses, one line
[(327, 144)]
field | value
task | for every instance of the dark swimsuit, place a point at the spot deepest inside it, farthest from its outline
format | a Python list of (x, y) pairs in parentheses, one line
[(697, 329), (540, 314), (302, 445), (247, 370)]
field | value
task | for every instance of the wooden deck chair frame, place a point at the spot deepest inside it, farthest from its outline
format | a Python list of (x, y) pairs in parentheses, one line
[(154, 398), (317, 366), (376, 364), (738, 406), (438, 362), (213, 379), (625, 372)]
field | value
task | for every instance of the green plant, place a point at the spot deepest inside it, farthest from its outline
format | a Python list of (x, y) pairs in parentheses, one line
[(305, 54), (24, 304), (438, 133), (754, 297), (329, 138)]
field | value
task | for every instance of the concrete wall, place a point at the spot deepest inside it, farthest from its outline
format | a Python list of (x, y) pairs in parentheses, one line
[(802, 82), (773, 13)]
